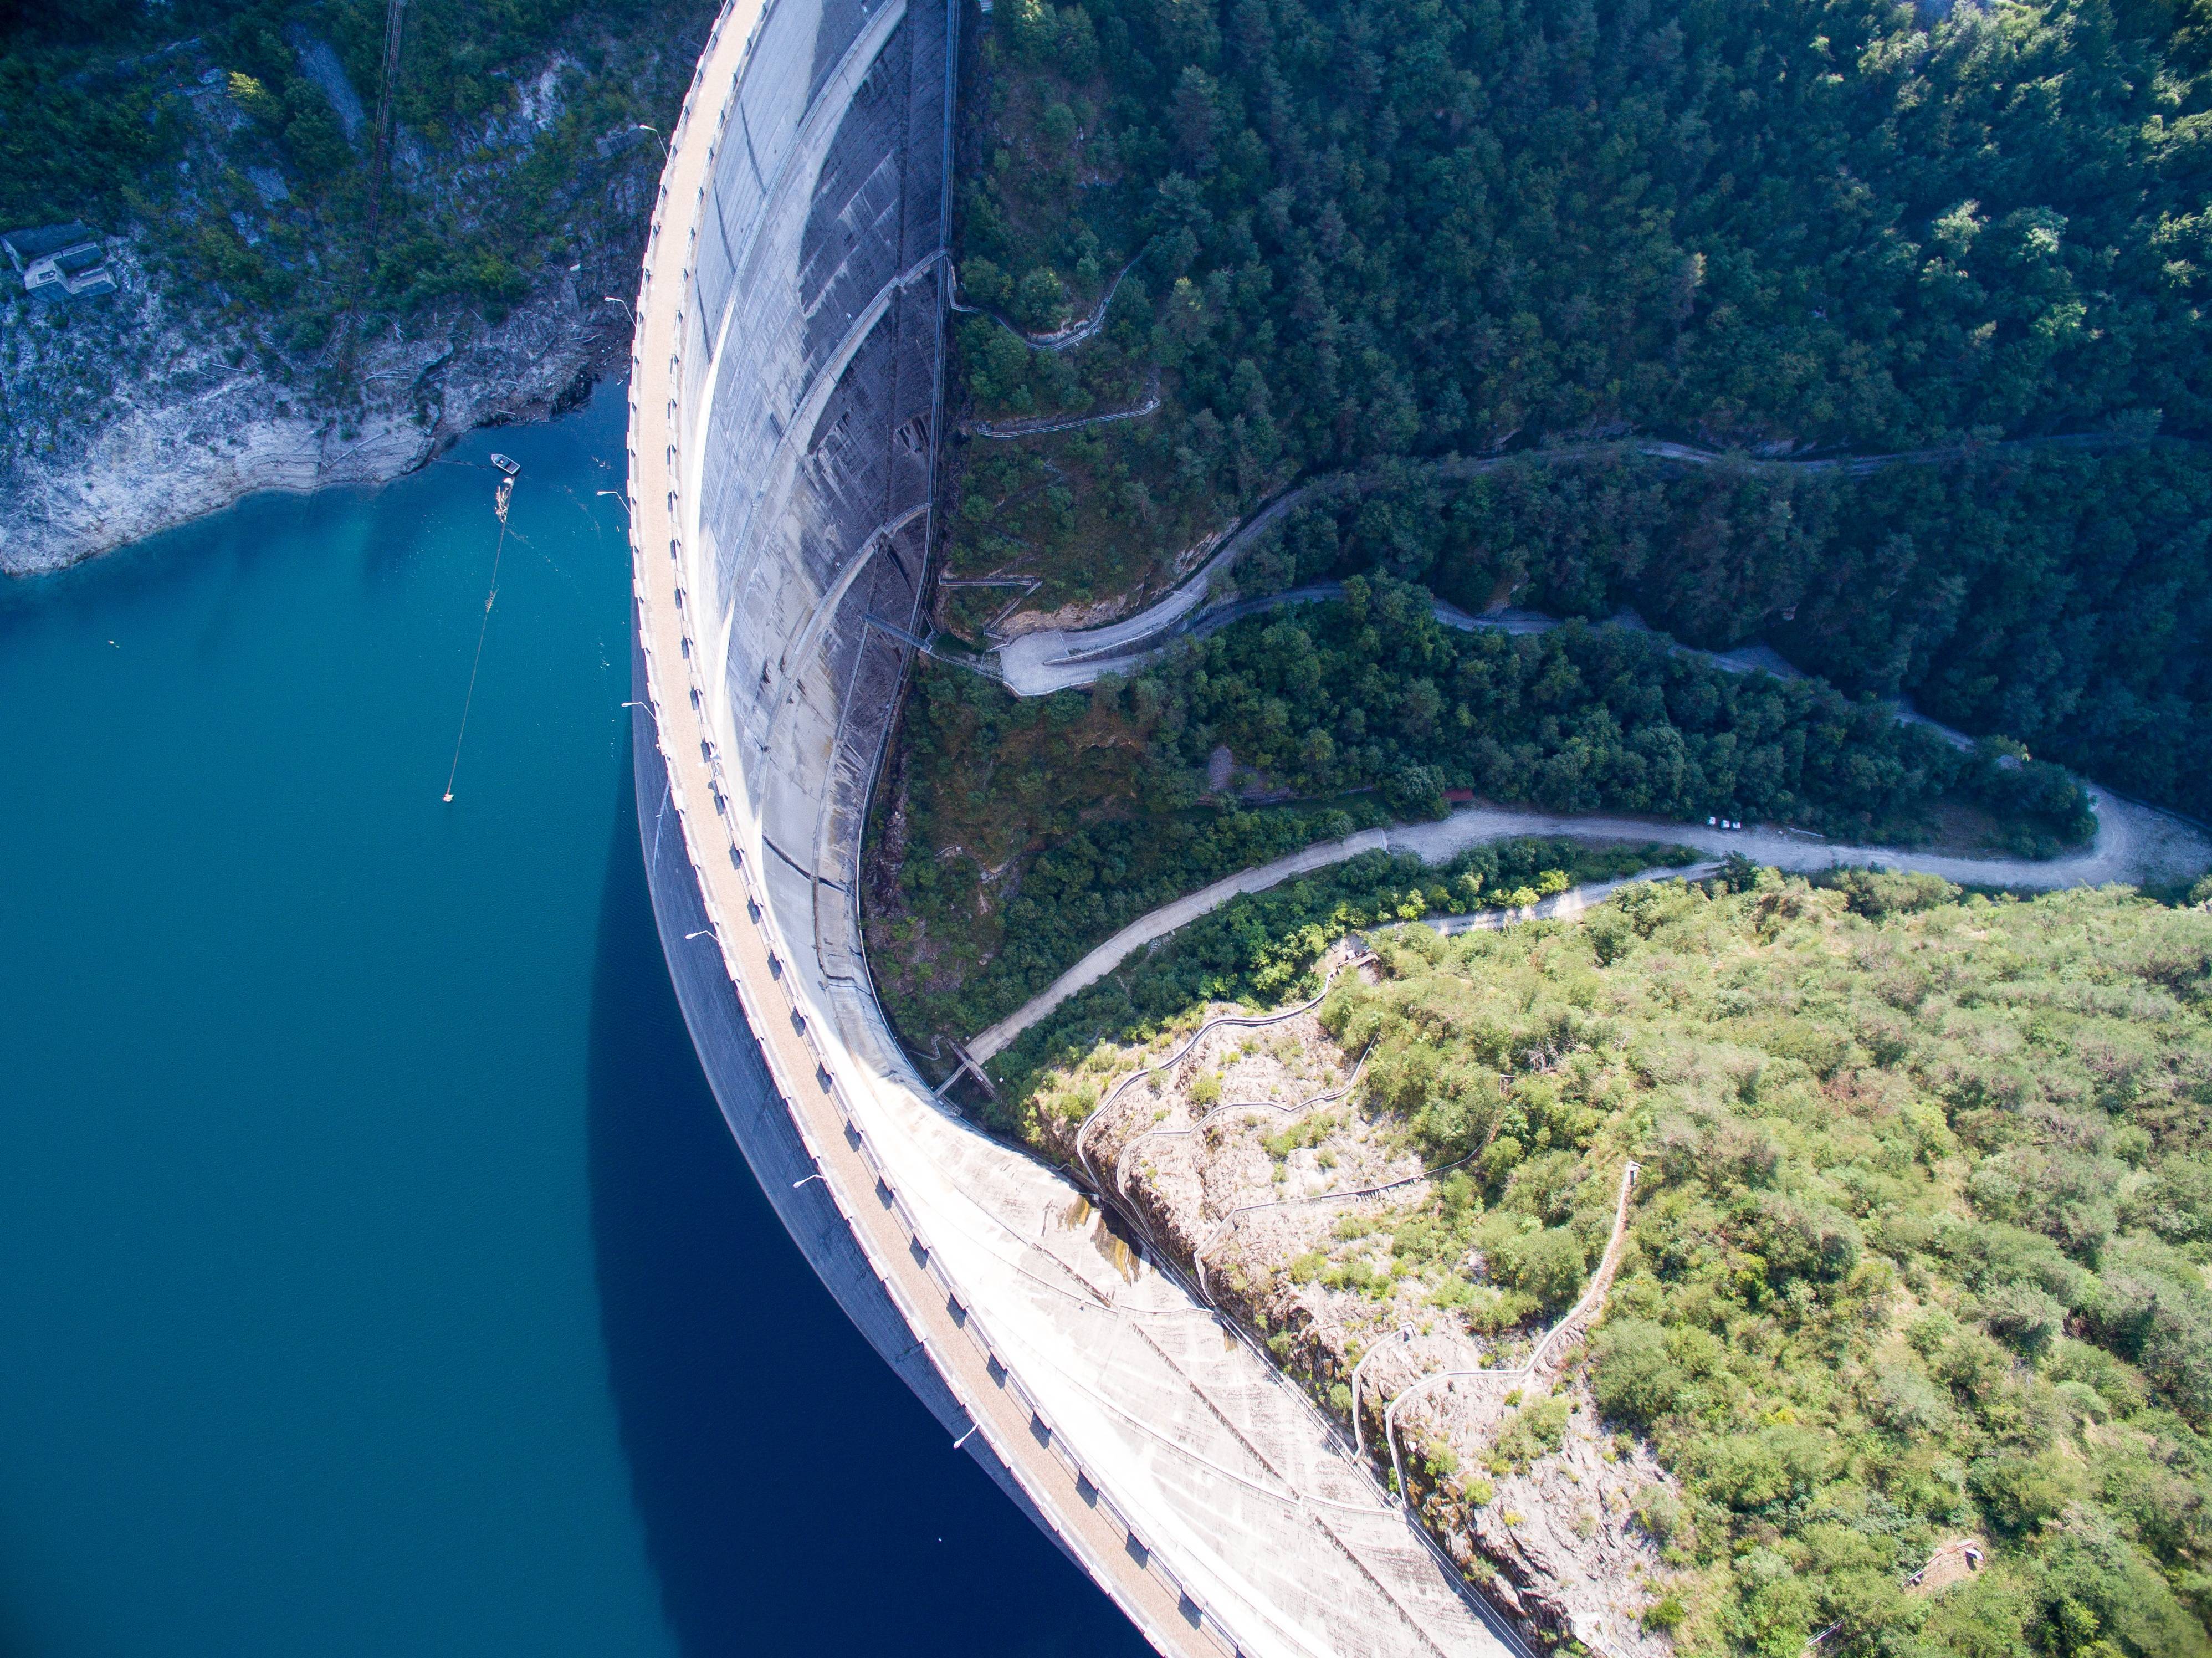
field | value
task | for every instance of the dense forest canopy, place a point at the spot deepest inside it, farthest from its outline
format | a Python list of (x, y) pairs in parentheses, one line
[(2062, 596), (1352, 237), (1376, 226), (1373, 690)]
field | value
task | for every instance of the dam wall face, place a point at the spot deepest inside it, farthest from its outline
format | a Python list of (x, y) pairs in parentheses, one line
[(785, 413), (753, 1108), (814, 358)]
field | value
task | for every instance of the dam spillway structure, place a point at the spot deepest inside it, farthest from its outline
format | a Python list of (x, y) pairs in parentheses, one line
[(785, 411)]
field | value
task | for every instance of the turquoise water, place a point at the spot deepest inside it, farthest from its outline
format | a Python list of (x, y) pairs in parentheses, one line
[(375, 1276)]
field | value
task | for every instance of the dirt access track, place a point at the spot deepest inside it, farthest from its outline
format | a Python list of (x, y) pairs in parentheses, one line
[(2134, 843)]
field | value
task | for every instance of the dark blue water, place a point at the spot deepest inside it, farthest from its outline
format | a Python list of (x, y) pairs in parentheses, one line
[(376, 1275)]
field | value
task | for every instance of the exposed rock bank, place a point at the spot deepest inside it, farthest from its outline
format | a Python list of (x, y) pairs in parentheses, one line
[(169, 446), (1243, 1154), (261, 338)]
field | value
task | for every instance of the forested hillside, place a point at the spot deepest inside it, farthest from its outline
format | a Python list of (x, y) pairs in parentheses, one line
[(1443, 224), (1918, 1252), (2060, 596), (1357, 234), (1372, 690), (1017, 836)]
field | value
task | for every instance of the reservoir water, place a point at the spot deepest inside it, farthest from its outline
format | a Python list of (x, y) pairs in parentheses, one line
[(376, 1274)]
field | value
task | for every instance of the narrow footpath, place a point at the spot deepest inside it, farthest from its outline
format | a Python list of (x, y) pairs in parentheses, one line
[(1551, 1347)]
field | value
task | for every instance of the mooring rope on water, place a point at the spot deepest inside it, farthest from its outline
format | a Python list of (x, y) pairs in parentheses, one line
[(499, 506)]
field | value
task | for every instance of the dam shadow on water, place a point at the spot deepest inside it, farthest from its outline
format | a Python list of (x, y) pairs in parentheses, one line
[(795, 1497)]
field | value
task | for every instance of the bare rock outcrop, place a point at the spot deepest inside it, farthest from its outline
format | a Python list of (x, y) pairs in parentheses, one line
[(200, 431), (255, 342), (1249, 1156)]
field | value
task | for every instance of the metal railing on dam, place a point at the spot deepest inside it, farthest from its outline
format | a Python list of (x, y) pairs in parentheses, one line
[(785, 415)]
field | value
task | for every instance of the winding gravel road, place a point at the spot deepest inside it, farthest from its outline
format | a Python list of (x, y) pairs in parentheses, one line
[(2134, 843), (1052, 659)]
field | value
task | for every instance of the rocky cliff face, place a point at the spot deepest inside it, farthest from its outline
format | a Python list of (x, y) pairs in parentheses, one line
[(1241, 1153), (256, 342), (204, 430)]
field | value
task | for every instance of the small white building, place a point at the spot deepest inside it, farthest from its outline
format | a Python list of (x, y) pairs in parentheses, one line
[(61, 261)]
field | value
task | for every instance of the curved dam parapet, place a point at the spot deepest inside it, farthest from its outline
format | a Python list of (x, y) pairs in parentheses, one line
[(785, 408)]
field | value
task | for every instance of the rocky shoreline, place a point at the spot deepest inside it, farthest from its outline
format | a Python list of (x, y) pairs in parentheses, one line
[(205, 434)]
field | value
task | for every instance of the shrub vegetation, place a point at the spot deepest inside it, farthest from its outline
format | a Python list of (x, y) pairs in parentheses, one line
[(1261, 948), (1918, 1249)]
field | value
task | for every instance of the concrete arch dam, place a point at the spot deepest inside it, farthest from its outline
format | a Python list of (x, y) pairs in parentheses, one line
[(786, 405)]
